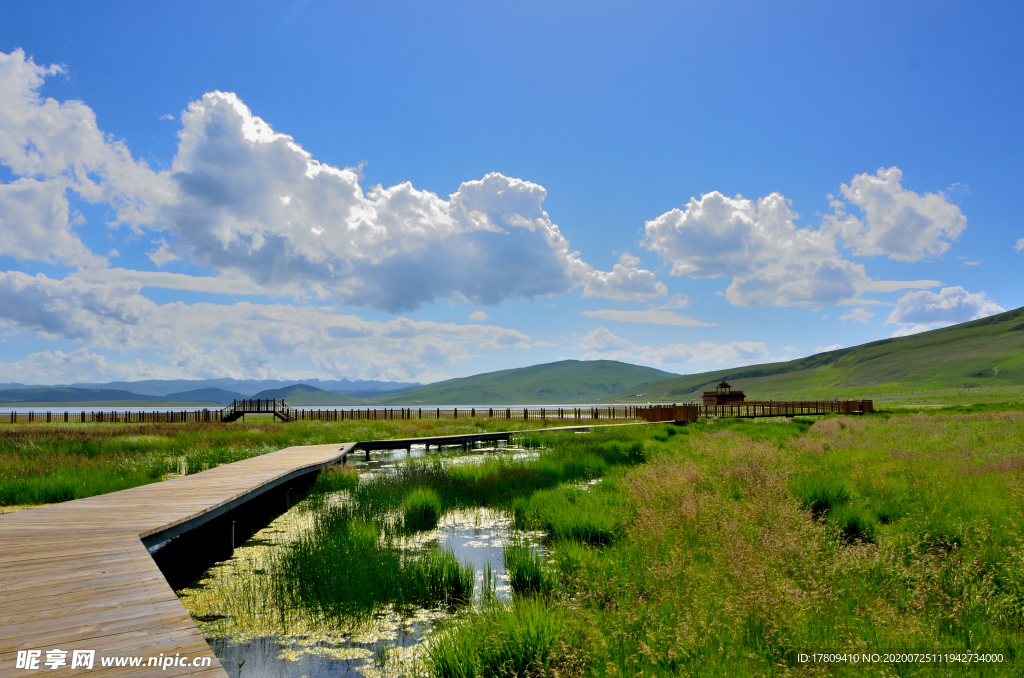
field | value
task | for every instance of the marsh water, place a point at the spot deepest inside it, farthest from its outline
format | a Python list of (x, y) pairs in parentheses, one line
[(251, 642)]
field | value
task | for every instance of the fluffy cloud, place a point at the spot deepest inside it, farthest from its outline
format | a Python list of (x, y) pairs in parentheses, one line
[(251, 203), (626, 282), (826, 349), (1020, 245), (919, 311), (103, 314), (35, 224), (771, 261), (860, 315), (898, 223), (601, 344), (241, 340), (60, 142)]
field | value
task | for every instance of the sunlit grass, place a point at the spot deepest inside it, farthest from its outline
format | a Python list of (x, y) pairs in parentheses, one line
[(49, 463), (739, 545)]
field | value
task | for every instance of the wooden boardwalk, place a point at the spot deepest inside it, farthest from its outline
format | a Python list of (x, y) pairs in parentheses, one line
[(77, 575)]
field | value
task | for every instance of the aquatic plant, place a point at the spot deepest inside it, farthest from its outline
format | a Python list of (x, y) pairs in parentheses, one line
[(529, 637), (527, 572), (437, 578), (422, 509)]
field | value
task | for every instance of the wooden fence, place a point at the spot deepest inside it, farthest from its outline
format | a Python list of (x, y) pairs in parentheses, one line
[(653, 413), (299, 414), (112, 416), (744, 410)]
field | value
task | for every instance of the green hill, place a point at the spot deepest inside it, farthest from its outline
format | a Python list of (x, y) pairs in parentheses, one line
[(305, 395), (961, 355), (565, 382)]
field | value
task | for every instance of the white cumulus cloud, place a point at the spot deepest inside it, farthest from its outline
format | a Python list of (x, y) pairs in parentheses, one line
[(61, 142), (36, 226), (826, 349), (772, 261), (80, 365), (626, 282), (919, 311), (250, 202), (901, 224)]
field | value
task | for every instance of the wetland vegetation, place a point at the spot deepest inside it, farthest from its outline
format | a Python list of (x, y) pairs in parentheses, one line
[(48, 463), (723, 548), (720, 548)]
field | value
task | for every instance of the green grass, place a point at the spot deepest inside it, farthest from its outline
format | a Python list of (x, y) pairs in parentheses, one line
[(47, 463), (821, 494), (735, 548), (354, 560), (528, 638), (527, 572), (422, 509)]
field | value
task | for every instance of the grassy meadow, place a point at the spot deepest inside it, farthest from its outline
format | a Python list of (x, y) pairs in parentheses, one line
[(986, 353), (737, 546), (48, 463), (723, 548)]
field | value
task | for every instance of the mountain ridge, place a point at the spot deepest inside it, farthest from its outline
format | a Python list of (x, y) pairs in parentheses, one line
[(959, 355)]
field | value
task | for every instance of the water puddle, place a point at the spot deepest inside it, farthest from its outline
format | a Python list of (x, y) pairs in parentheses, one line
[(248, 634)]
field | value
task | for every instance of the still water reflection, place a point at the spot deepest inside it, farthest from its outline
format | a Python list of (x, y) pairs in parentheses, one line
[(251, 643)]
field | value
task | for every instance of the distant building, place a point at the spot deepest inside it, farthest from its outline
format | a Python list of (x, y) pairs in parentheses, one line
[(723, 395)]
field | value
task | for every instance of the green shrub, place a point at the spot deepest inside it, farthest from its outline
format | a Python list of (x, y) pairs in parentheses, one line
[(437, 578), (854, 523), (530, 637), (568, 513), (821, 493), (527, 573), (336, 479), (422, 509)]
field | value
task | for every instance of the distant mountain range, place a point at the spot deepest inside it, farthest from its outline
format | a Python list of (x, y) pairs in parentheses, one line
[(196, 392), (246, 387), (989, 351), (568, 381), (563, 382)]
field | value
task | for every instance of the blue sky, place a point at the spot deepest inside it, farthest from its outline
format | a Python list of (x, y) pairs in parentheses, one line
[(416, 191)]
